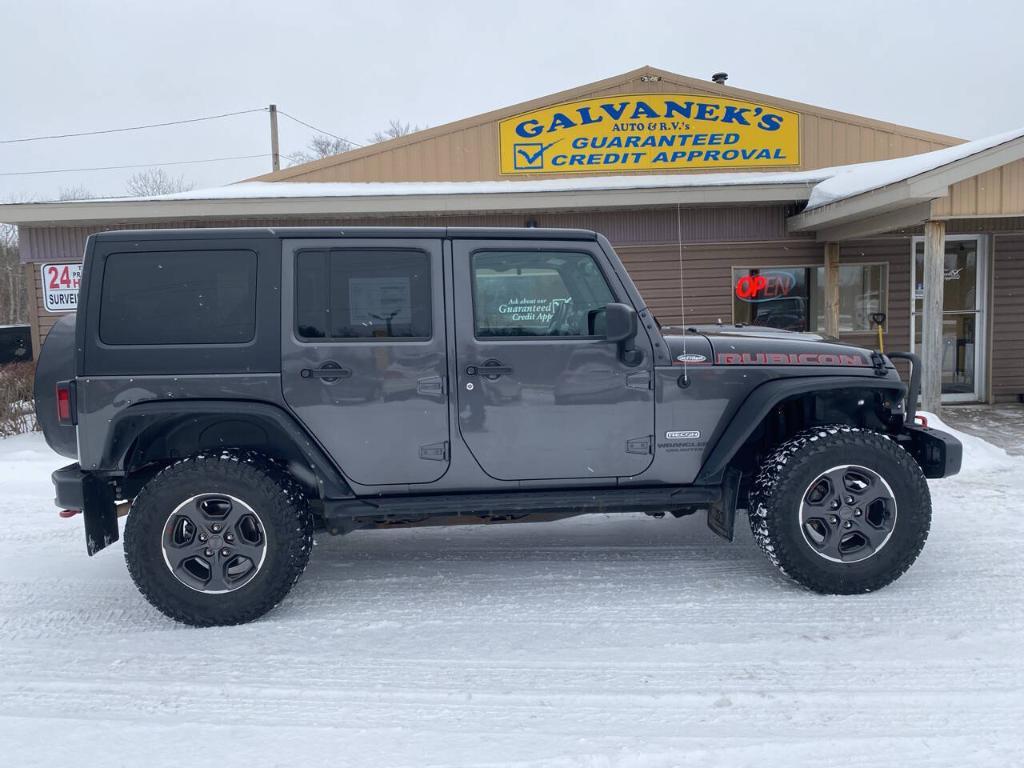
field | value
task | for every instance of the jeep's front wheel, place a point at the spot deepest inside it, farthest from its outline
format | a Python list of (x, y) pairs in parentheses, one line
[(840, 510), (218, 538)]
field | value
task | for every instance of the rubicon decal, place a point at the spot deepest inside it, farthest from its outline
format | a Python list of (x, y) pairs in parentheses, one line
[(652, 131), (792, 358)]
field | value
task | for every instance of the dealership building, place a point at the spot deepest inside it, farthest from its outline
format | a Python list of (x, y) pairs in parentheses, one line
[(726, 206)]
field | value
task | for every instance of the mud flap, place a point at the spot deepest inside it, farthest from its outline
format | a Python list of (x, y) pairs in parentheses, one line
[(722, 514), (99, 512)]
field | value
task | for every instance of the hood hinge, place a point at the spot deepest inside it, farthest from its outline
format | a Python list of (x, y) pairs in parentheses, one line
[(639, 380), (640, 444), (431, 385), (435, 451)]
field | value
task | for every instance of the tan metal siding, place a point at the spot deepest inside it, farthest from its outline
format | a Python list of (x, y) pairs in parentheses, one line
[(467, 150), (999, 192)]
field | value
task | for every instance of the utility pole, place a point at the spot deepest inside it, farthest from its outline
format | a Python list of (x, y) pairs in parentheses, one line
[(275, 150)]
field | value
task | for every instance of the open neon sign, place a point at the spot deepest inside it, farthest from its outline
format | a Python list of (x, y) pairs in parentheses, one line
[(765, 286)]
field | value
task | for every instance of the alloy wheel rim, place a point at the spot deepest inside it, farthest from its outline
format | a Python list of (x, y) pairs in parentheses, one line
[(214, 543), (847, 514)]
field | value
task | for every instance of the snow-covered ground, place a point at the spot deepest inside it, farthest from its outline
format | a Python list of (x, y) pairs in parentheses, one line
[(592, 642)]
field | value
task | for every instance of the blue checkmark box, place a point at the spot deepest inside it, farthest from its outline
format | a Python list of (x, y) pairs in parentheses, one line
[(528, 156)]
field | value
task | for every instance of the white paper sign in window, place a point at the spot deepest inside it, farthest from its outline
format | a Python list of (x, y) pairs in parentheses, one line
[(380, 302)]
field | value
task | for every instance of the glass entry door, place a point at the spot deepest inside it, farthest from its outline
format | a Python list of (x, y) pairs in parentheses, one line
[(963, 315)]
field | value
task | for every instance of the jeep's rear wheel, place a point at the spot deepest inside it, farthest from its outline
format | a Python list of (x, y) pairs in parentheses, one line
[(218, 538), (841, 510)]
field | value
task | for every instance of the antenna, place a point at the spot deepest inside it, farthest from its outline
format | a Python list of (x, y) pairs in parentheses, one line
[(682, 292)]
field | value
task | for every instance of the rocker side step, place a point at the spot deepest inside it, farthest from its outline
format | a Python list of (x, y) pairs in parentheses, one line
[(572, 502)]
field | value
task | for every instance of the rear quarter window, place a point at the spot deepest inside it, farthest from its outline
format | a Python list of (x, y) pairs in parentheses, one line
[(179, 297)]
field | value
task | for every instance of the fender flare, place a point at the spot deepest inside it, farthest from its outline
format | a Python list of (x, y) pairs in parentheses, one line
[(763, 399), (128, 425)]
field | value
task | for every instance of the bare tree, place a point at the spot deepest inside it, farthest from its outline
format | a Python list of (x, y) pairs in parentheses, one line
[(13, 291), (156, 181), (76, 192), (319, 147), (395, 129)]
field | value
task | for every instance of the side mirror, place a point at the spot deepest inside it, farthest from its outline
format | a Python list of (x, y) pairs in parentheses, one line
[(619, 323)]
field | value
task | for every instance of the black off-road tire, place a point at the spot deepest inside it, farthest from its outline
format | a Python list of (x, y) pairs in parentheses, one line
[(282, 509), (777, 493)]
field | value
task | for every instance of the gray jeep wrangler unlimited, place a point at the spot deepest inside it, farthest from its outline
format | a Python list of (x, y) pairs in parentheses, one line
[(234, 391)]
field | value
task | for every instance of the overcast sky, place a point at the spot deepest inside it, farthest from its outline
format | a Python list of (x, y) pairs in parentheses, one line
[(955, 68)]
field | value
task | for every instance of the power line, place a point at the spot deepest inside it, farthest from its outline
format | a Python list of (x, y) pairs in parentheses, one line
[(134, 127), (124, 167), (319, 130)]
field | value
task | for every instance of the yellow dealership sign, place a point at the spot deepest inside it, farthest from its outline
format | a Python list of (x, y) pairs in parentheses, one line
[(649, 132)]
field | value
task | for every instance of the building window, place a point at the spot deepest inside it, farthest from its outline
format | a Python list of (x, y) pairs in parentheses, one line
[(179, 297), (793, 298), (537, 294), (349, 295)]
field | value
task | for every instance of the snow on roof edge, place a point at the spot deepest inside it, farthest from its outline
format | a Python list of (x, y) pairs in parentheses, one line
[(851, 180), (310, 189), (826, 185)]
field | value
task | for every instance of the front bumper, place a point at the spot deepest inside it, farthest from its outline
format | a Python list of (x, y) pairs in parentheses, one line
[(94, 495), (938, 453)]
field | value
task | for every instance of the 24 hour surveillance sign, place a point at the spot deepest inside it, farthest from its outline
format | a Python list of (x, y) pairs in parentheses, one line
[(649, 132), (60, 286)]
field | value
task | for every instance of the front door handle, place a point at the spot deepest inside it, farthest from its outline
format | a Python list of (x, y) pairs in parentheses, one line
[(491, 369), (328, 372)]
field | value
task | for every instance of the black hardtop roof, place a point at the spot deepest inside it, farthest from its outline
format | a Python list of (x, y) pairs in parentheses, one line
[(458, 233)]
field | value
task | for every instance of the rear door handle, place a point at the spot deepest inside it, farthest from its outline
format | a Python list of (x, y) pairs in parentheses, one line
[(488, 369)]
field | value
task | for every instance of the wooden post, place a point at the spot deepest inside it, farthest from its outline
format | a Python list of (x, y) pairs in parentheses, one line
[(28, 274), (831, 289), (275, 150), (931, 315)]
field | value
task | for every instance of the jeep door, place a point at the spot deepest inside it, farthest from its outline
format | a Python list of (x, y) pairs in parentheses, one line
[(364, 360), (541, 395)]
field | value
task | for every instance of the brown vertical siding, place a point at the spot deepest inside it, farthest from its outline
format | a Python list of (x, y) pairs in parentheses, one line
[(657, 226), (895, 252), (707, 273), (714, 240), (642, 225), (708, 277), (1007, 356)]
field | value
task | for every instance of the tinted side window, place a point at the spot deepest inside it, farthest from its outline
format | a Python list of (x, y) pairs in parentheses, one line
[(536, 293), (351, 295), (179, 297)]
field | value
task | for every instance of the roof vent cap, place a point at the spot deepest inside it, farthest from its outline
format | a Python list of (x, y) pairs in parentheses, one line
[(720, 78)]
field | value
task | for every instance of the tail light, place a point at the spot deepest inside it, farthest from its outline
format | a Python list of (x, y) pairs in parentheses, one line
[(66, 402)]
